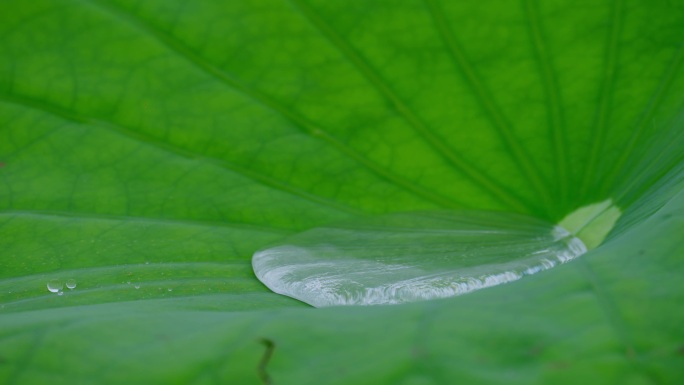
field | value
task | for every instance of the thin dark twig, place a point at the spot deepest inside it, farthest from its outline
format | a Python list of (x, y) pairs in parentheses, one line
[(261, 369)]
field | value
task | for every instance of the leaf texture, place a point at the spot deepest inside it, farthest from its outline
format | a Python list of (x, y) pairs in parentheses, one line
[(162, 143)]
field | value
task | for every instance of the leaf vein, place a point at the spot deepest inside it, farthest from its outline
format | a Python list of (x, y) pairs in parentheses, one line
[(645, 117), (551, 89), (299, 122), (501, 126), (602, 118), (151, 141), (405, 112), (129, 218)]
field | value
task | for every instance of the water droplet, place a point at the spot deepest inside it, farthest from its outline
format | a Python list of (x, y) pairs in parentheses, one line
[(170, 289), (55, 286), (408, 257), (60, 293), (137, 287), (71, 284)]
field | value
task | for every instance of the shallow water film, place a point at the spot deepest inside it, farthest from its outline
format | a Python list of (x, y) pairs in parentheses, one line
[(406, 257)]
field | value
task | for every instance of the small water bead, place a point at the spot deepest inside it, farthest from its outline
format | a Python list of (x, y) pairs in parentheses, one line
[(55, 286), (71, 284), (60, 293), (407, 257)]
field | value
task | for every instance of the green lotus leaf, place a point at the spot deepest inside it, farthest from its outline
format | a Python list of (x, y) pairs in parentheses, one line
[(149, 148)]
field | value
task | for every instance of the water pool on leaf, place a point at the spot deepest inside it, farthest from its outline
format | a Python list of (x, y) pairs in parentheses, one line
[(407, 257)]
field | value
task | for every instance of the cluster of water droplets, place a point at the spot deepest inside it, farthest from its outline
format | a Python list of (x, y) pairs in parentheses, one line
[(57, 285)]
